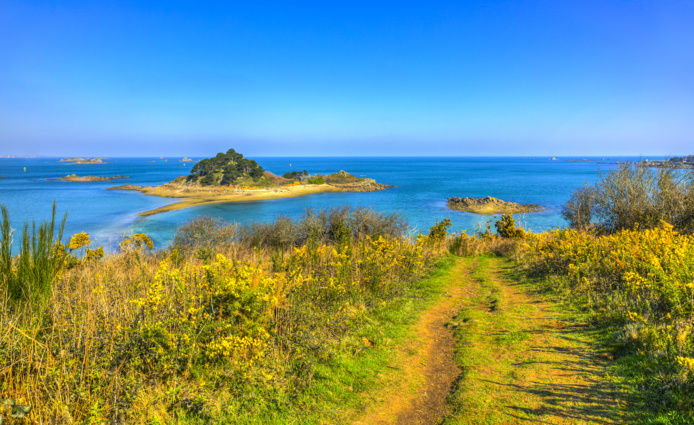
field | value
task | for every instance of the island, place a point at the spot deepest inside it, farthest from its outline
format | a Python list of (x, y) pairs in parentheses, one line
[(83, 161), (490, 206), (88, 179), (185, 159), (229, 177)]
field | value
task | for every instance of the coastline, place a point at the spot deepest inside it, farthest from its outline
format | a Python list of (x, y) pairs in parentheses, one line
[(191, 196)]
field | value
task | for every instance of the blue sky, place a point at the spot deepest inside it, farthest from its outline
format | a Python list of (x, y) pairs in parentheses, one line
[(142, 78)]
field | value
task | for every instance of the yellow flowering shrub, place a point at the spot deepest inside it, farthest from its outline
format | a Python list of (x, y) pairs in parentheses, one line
[(175, 333), (641, 281), (78, 241)]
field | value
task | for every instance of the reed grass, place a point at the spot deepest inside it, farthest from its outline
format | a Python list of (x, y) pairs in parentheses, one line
[(29, 275)]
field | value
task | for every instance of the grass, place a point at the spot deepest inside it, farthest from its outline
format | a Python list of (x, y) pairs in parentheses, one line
[(525, 359)]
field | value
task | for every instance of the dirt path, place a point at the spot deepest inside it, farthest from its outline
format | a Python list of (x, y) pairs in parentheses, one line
[(519, 361), (426, 365)]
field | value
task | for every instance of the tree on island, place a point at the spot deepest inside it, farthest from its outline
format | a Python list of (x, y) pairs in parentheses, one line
[(294, 175), (225, 169)]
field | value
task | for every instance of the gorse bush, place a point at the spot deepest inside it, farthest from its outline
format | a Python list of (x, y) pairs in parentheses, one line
[(438, 232), (170, 335), (640, 283), (634, 194), (506, 228)]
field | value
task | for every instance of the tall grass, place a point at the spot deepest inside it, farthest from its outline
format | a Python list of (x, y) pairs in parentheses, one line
[(30, 276)]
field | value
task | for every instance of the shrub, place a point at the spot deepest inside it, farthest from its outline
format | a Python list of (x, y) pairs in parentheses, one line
[(138, 241), (439, 231), (506, 228), (233, 339), (317, 180), (634, 194), (334, 225), (205, 234)]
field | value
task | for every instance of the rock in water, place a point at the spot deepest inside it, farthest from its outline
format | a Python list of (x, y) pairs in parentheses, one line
[(490, 206)]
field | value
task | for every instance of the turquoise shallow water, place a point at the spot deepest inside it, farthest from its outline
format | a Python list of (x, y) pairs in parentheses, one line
[(423, 184)]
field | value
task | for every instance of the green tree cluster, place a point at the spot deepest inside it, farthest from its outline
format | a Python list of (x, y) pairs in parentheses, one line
[(294, 175), (225, 169)]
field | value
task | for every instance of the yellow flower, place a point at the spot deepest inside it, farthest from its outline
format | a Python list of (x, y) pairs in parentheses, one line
[(79, 240)]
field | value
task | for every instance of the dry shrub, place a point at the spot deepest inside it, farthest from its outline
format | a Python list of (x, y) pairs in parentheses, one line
[(470, 246), (204, 235), (334, 225), (634, 194)]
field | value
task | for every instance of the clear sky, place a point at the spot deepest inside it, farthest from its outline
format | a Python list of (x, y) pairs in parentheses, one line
[(296, 78)]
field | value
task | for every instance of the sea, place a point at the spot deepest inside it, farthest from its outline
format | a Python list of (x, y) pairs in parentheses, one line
[(422, 186)]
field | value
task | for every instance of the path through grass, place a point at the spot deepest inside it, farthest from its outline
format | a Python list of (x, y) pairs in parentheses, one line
[(524, 359), (521, 358)]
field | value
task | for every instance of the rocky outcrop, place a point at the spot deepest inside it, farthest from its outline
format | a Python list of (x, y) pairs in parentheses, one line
[(88, 179), (127, 187), (490, 206), (366, 185), (186, 159)]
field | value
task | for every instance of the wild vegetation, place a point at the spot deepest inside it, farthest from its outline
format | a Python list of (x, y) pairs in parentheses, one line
[(271, 322), (634, 194), (235, 331), (225, 169), (628, 262), (295, 175)]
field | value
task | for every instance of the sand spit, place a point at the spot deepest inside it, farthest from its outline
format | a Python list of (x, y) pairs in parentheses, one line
[(192, 195)]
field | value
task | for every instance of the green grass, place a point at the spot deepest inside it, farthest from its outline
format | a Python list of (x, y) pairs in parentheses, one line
[(525, 357)]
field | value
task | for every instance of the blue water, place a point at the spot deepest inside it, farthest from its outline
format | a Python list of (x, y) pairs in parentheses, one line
[(423, 184)]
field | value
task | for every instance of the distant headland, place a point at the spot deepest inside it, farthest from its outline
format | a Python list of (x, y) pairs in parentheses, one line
[(88, 179), (490, 206), (229, 177)]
